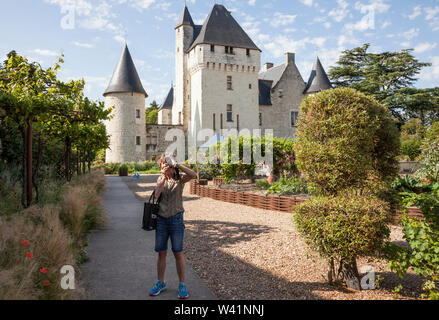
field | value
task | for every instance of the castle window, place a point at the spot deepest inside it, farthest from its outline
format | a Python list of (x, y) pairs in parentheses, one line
[(229, 83), (208, 64), (250, 86), (237, 122), (226, 49), (221, 121), (137, 113), (281, 93), (294, 117), (212, 48), (137, 141), (229, 113), (260, 119), (248, 52), (229, 50), (254, 69), (214, 122)]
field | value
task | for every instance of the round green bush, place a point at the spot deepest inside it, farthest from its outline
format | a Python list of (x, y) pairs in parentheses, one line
[(411, 148), (345, 226), (343, 139)]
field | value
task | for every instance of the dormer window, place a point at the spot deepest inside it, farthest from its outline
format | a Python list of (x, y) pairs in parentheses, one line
[(212, 48), (229, 50), (248, 52)]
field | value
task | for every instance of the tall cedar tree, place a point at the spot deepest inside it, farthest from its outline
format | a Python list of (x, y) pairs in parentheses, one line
[(389, 78)]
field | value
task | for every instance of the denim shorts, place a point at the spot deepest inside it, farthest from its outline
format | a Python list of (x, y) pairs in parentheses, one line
[(172, 227)]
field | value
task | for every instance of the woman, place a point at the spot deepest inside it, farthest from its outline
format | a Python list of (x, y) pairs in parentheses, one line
[(170, 221)]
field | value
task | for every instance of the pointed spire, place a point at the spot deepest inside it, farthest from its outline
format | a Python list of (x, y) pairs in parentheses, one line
[(169, 100), (125, 77), (318, 80), (185, 18)]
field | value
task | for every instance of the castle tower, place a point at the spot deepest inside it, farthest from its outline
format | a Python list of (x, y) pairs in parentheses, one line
[(184, 36), (223, 66), (318, 79), (127, 128)]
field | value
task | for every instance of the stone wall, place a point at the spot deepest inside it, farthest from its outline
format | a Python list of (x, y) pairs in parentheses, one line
[(155, 139), (124, 127), (286, 96)]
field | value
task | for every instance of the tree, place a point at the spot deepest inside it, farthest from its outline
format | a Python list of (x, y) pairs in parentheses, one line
[(387, 76), (27, 88), (151, 113), (345, 147)]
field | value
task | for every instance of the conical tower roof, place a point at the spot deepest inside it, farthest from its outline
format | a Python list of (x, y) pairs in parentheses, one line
[(185, 18), (318, 80), (222, 29), (169, 100), (125, 77)]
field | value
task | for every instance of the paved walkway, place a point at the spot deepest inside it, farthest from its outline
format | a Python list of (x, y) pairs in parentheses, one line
[(122, 259)]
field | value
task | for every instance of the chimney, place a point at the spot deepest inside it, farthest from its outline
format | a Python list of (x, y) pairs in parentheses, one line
[(290, 57), (268, 65)]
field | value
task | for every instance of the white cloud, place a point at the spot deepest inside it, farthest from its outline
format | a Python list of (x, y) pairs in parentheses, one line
[(376, 6), (307, 2), (410, 34), (119, 39), (385, 24), (251, 2), (416, 12), (44, 52), (425, 46), (430, 13), (339, 13), (141, 5), (282, 19), (431, 73), (83, 45)]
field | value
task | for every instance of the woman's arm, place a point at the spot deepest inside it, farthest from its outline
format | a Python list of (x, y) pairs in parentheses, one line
[(189, 173)]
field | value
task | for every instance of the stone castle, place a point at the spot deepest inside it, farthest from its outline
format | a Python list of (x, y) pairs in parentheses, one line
[(219, 85)]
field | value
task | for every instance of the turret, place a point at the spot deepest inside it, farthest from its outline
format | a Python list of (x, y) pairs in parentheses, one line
[(318, 79), (126, 95)]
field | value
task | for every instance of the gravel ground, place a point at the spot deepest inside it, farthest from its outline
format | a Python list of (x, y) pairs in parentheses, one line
[(248, 253)]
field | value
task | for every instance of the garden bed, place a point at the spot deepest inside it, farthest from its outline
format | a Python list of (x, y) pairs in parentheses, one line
[(249, 194)]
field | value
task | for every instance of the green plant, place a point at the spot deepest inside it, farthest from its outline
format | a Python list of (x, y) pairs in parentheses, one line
[(263, 184), (423, 237), (345, 138), (233, 171), (406, 183), (411, 148), (345, 147), (430, 161), (342, 228), (287, 185)]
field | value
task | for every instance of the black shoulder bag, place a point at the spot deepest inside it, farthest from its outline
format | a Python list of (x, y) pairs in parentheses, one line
[(151, 213)]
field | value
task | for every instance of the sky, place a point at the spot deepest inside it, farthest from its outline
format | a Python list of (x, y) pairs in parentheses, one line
[(91, 34)]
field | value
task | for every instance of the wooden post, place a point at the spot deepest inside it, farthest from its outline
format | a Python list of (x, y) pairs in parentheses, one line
[(29, 163)]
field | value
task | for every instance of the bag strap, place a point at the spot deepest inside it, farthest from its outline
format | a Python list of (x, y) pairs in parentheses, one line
[(152, 197)]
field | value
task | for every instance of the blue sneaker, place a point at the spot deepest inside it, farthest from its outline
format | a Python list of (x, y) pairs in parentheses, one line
[(158, 287), (182, 291)]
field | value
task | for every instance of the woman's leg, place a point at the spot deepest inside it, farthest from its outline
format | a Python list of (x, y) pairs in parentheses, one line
[(181, 266), (161, 265)]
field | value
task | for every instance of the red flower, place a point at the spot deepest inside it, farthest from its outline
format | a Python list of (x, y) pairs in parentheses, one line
[(46, 283), (44, 270), (29, 255), (24, 243), (91, 219)]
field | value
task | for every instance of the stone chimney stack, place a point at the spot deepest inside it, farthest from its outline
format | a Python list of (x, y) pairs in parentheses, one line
[(268, 65), (290, 57)]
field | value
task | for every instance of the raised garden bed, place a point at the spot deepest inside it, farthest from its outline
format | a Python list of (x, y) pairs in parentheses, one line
[(246, 194)]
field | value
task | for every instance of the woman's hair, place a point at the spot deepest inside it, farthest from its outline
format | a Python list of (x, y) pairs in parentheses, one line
[(162, 160)]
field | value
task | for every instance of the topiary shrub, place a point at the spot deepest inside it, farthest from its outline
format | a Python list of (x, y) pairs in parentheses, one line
[(346, 143), (344, 138), (342, 228)]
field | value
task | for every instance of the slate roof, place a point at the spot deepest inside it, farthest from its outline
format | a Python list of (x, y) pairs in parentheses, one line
[(222, 29), (265, 92), (318, 80), (125, 77), (274, 74), (169, 100), (185, 18)]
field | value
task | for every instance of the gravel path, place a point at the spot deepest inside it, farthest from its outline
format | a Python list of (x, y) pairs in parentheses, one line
[(249, 253)]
